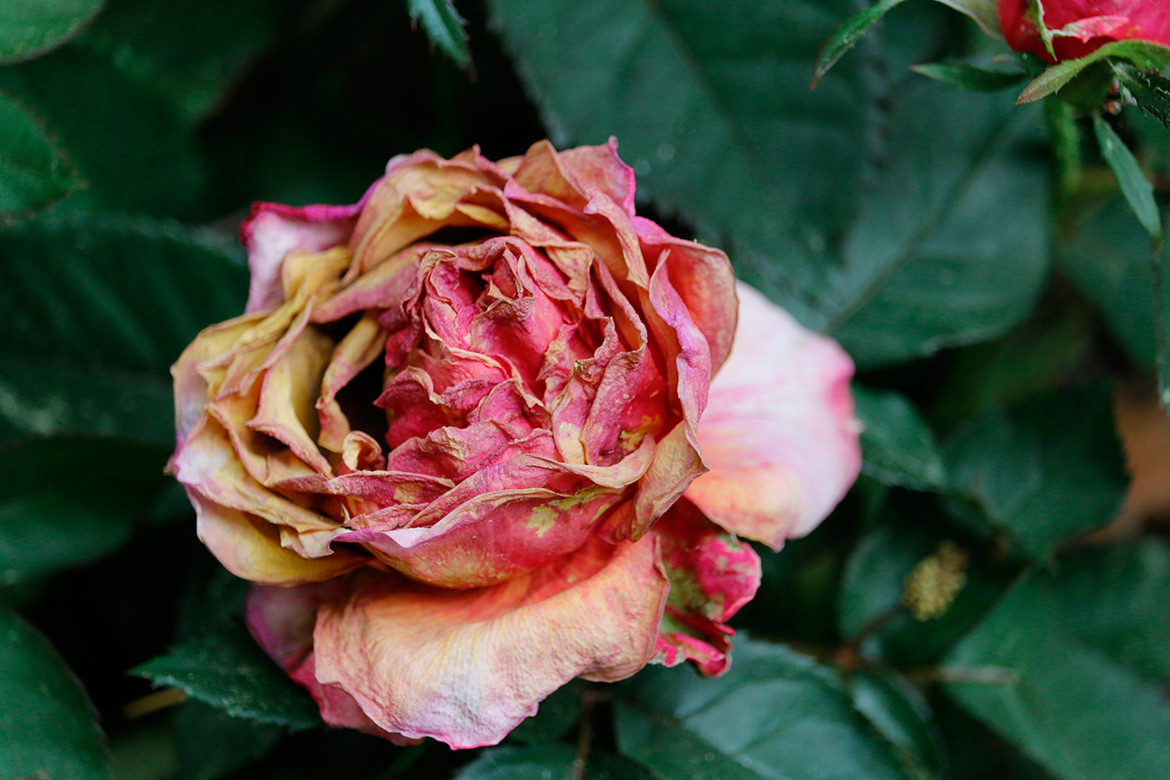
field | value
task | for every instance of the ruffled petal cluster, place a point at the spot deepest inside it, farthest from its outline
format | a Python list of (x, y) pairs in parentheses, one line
[(485, 431)]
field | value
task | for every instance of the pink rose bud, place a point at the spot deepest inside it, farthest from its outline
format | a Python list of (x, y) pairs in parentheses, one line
[(1080, 27), (485, 431)]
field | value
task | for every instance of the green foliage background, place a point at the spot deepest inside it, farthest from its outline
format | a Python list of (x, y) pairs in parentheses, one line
[(991, 292)]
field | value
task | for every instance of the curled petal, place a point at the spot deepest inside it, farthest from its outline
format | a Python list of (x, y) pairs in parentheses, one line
[(779, 435), (273, 230), (712, 574), (465, 667), (251, 548)]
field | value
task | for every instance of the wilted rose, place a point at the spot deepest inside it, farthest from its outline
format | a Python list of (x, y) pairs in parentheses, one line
[(467, 442), (1080, 27)]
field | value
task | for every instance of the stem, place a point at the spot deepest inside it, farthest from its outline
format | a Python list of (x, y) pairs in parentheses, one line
[(153, 702), (584, 735), (1065, 142), (973, 675)]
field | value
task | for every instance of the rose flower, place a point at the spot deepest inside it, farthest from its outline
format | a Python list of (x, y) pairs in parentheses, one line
[(485, 431), (1080, 27)]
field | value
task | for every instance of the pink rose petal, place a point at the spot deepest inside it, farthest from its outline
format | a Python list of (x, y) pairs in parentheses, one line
[(465, 667), (778, 436)]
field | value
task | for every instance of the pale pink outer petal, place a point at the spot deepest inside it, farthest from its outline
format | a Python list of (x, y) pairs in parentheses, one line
[(282, 622), (778, 435), (465, 667), (273, 230)]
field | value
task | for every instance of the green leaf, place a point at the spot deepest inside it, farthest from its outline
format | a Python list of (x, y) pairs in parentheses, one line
[(547, 762), (983, 12), (559, 713), (94, 311), (212, 744), (224, 667), (1149, 89), (444, 26), (1136, 188), (897, 445), (1108, 259), (29, 28), (34, 171), (41, 395), (969, 76), (847, 36), (48, 728), (712, 115), (775, 714), (900, 714), (1071, 704), (108, 292), (1045, 471), (191, 52), (1114, 599), (123, 134), (1140, 53), (711, 105), (66, 502), (874, 580), (1162, 324), (922, 266), (1034, 358)]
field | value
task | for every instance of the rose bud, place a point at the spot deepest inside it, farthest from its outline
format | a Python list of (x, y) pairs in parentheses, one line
[(1080, 27), (486, 431)]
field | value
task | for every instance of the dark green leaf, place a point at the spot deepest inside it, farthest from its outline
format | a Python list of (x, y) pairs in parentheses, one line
[(47, 725), (1108, 259), (897, 445), (775, 714), (212, 744), (1034, 358), (224, 667), (1149, 89), (193, 52), (969, 77), (557, 716), (1162, 324), (213, 597), (1045, 471), (32, 27), (847, 36), (66, 502), (874, 581), (900, 714), (547, 762), (889, 244), (923, 266), (145, 750), (1140, 53), (122, 133), (1114, 601), (711, 105), (1136, 188), (34, 171), (43, 396), (112, 293), (1070, 702), (983, 12), (444, 26)]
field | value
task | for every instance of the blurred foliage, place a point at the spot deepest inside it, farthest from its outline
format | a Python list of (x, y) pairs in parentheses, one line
[(989, 314)]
